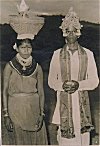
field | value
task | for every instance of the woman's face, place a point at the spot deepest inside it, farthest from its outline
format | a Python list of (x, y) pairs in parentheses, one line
[(71, 36), (25, 50)]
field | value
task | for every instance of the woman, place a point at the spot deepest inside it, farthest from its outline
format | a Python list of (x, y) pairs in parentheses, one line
[(23, 97)]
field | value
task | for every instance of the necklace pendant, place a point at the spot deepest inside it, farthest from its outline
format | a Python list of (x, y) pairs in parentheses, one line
[(24, 68)]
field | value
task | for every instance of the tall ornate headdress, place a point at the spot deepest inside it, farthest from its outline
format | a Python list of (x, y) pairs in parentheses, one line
[(25, 26), (71, 19)]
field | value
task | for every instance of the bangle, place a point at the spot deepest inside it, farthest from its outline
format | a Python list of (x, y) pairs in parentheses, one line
[(43, 114), (5, 109), (5, 112), (6, 115)]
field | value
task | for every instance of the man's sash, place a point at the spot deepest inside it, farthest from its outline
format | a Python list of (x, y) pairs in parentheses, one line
[(66, 119)]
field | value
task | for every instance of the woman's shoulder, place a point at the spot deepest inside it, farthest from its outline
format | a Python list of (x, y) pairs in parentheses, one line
[(39, 68), (7, 67), (36, 70)]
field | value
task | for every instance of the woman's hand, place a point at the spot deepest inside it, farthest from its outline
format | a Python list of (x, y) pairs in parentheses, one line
[(8, 123), (39, 123)]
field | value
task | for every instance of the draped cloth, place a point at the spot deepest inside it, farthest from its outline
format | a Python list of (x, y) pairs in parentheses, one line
[(66, 118)]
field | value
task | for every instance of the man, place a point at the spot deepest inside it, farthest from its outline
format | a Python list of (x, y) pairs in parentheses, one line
[(72, 73)]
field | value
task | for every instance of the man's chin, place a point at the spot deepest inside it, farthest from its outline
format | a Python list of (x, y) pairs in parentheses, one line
[(26, 56)]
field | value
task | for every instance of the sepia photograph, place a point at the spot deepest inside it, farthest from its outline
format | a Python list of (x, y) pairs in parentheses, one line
[(49, 67)]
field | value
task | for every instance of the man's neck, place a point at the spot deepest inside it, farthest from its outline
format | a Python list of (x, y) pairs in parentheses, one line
[(73, 47)]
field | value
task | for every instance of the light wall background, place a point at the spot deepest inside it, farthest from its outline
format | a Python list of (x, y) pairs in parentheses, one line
[(88, 10)]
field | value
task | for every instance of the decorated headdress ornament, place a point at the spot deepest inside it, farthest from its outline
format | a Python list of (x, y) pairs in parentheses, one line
[(23, 25), (71, 19)]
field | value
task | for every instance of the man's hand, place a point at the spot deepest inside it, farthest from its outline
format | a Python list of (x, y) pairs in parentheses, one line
[(8, 123), (70, 86), (39, 123)]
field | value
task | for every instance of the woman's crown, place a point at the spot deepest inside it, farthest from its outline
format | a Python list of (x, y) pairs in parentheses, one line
[(23, 24)]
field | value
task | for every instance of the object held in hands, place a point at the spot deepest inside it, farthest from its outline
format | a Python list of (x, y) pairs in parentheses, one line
[(70, 86)]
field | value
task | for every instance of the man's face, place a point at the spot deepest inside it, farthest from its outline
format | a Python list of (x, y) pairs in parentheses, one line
[(71, 36)]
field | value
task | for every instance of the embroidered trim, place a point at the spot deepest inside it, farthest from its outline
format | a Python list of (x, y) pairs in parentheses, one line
[(19, 68), (67, 125)]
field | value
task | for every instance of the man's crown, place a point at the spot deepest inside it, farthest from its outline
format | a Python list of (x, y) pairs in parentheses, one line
[(25, 26), (71, 19)]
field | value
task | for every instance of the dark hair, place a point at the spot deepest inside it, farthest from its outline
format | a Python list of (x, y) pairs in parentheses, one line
[(20, 41)]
